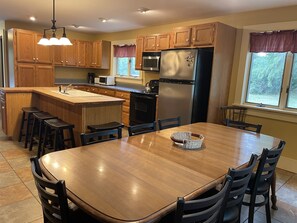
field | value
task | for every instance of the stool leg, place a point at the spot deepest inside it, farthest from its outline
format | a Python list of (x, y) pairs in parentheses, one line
[(119, 133), (41, 149), (22, 126), (28, 129), (55, 140), (72, 137), (33, 129), (61, 139), (40, 135)]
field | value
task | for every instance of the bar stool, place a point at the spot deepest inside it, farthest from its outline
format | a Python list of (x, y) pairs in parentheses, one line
[(107, 126), (27, 116), (38, 127), (54, 129)]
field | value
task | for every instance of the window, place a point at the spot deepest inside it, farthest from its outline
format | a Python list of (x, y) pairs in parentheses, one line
[(124, 58), (272, 79)]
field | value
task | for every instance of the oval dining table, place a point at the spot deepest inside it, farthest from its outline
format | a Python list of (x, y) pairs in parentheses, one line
[(138, 178)]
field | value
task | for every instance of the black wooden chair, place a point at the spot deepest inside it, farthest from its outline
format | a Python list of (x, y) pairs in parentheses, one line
[(260, 182), (234, 113), (205, 209), (102, 136), (244, 125), (168, 123), (240, 182), (53, 199), (142, 128)]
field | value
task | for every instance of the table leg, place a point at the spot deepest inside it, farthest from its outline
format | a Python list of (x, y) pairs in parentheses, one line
[(273, 196)]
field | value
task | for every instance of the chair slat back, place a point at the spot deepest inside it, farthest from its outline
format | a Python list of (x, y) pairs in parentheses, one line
[(52, 195), (169, 123), (142, 128), (234, 113), (203, 210), (101, 136), (244, 125)]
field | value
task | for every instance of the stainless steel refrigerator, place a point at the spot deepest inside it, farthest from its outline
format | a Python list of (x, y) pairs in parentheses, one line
[(184, 84)]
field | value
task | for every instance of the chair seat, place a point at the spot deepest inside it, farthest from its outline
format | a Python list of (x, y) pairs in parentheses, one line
[(43, 116), (106, 126), (231, 214), (58, 123), (30, 109)]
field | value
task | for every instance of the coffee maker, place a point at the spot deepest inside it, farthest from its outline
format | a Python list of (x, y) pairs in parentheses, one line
[(91, 78)]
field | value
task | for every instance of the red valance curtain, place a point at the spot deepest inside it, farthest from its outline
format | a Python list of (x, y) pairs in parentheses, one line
[(124, 50), (276, 41)]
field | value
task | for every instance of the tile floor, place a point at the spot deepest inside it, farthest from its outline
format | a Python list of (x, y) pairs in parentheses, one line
[(19, 201)]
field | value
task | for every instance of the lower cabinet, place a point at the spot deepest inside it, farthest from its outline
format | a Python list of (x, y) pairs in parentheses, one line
[(32, 75), (126, 106)]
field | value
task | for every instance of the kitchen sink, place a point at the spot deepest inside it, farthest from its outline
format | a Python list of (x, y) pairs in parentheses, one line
[(77, 93)]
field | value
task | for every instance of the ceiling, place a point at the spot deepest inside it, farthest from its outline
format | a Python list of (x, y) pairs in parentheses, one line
[(123, 14)]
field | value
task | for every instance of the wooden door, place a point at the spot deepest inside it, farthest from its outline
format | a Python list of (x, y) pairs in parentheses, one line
[(203, 35), (81, 53), (25, 46), (104, 54), (182, 37), (139, 50), (59, 52), (3, 112), (70, 54), (44, 76), (150, 43), (43, 53), (89, 53), (163, 42), (25, 75), (94, 50)]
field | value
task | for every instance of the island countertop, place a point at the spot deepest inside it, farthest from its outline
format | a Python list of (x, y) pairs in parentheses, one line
[(72, 96)]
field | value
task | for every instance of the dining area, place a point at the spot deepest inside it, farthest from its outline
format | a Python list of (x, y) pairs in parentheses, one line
[(139, 178)]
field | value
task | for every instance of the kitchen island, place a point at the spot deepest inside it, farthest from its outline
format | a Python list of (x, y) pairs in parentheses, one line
[(77, 107)]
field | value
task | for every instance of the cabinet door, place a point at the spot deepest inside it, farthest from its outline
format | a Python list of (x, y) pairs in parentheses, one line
[(70, 54), (3, 112), (95, 51), (106, 92), (150, 43), (182, 37), (81, 53), (25, 46), (139, 50), (44, 76), (203, 35), (43, 53), (163, 42), (104, 54), (59, 55), (25, 75)]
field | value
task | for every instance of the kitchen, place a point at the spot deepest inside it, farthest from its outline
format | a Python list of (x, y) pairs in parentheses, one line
[(235, 20)]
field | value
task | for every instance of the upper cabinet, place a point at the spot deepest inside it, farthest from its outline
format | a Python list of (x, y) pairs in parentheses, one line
[(156, 42), (100, 54), (194, 36), (65, 55), (27, 49), (139, 50)]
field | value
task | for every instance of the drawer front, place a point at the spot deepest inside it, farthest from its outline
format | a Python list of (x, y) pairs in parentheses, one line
[(126, 103), (107, 92), (123, 94), (126, 109)]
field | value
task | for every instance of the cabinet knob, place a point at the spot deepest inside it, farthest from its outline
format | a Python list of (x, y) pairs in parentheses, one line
[(158, 45), (66, 61), (33, 58), (193, 39), (187, 40), (37, 58), (61, 61)]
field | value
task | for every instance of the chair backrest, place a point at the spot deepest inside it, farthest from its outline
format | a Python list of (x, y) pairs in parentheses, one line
[(141, 128), (101, 136), (234, 113), (168, 123), (205, 209), (265, 169), (52, 195), (240, 182), (244, 125)]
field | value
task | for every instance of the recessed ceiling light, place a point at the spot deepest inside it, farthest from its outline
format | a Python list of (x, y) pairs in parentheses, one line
[(103, 19), (32, 18), (143, 10), (75, 26)]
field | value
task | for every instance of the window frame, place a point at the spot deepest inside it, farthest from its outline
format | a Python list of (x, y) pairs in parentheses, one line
[(129, 76)]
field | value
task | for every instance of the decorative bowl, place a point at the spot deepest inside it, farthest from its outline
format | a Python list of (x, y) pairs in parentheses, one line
[(187, 140)]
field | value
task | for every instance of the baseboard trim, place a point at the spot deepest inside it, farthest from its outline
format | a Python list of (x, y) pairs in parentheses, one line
[(287, 164)]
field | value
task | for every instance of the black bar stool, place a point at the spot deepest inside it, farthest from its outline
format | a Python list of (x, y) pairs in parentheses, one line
[(37, 131), (27, 117), (107, 126), (54, 129)]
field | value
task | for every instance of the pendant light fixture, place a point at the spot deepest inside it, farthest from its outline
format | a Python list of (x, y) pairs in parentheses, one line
[(54, 40)]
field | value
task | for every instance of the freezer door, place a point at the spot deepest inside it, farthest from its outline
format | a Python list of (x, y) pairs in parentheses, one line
[(178, 64), (175, 100)]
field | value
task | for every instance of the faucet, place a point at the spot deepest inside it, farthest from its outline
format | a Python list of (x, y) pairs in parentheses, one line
[(68, 87)]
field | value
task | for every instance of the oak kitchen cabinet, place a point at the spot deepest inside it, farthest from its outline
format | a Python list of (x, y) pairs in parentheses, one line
[(139, 50), (195, 36), (3, 111), (82, 52), (157, 42), (100, 54), (66, 55), (126, 106)]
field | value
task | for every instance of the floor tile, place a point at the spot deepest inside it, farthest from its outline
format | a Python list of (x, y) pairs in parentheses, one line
[(288, 192), (32, 187), (8, 179), (21, 212), (282, 177), (261, 218), (11, 194), (19, 162), (4, 167), (1, 157), (24, 173), (40, 220), (15, 153), (8, 145)]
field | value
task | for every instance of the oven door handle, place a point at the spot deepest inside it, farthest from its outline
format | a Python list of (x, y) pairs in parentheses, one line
[(144, 97)]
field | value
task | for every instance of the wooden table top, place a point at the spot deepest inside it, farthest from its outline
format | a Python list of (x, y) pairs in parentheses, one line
[(139, 178)]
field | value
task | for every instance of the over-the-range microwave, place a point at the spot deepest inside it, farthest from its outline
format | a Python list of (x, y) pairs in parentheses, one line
[(105, 80), (151, 61)]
